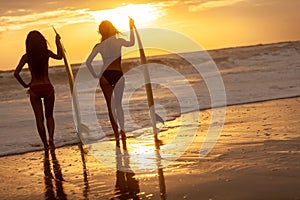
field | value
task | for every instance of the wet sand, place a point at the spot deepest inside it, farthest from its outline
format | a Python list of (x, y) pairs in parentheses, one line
[(256, 157)]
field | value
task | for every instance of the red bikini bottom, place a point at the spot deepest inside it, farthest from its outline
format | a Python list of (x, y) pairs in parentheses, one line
[(42, 90)]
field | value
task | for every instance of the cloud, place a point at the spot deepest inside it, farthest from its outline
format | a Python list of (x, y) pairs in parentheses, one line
[(13, 7), (15, 15), (56, 17), (205, 5), (141, 13), (17, 19)]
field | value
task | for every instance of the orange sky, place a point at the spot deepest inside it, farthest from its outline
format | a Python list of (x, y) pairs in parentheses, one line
[(211, 23)]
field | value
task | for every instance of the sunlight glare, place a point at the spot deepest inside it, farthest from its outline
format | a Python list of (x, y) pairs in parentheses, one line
[(143, 15)]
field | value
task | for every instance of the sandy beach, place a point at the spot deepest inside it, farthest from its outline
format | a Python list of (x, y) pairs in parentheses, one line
[(256, 155)]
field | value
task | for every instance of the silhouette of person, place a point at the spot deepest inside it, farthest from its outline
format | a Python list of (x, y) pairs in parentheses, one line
[(37, 57), (110, 50)]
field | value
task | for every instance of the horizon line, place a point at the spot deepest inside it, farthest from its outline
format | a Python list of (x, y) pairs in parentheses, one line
[(215, 49)]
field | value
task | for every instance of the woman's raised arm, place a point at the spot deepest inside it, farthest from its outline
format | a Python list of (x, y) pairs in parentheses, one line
[(132, 40), (59, 54)]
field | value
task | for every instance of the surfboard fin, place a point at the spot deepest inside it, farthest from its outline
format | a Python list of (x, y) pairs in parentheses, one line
[(159, 118), (84, 128)]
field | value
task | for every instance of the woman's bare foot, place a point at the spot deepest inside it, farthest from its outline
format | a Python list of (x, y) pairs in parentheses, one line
[(118, 143), (124, 144), (123, 136), (51, 144), (46, 147)]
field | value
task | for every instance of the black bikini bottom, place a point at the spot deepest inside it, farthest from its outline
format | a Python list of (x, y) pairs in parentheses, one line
[(112, 76)]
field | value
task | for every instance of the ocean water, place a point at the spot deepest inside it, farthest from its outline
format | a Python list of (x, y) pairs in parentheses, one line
[(233, 76)]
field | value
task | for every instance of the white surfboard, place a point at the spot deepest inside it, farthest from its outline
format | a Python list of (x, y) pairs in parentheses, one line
[(81, 128), (153, 116)]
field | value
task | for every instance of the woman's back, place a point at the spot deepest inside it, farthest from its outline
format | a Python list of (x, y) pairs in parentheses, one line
[(40, 76), (37, 57), (110, 50)]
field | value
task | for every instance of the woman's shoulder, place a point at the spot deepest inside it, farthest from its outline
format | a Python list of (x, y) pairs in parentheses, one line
[(49, 52), (97, 45), (115, 40), (120, 40), (123, 42), (24, 58)]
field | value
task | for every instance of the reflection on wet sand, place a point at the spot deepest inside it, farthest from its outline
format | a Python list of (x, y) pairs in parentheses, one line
[(86, 188), (128, 182), (161, 178), (127, 186), (58, 179)]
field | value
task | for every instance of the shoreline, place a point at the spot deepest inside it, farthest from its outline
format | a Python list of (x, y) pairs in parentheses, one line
[(201, 110)]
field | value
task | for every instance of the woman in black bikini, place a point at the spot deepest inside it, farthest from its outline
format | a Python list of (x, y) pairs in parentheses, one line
[(37, 57), (110, 50)]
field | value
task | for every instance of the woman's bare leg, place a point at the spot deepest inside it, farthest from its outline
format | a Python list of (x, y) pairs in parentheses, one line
[(49, 105), (118, 93), (108, 91), (37, 106)]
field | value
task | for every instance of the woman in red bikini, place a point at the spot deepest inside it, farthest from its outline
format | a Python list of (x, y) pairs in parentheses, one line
[(37, 56), (110, 50)]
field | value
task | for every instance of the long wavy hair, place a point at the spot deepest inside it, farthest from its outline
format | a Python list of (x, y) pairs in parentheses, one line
[(107, 29), (37, 52)]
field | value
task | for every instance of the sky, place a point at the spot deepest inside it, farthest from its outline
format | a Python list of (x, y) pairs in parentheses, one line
[(212, 24)]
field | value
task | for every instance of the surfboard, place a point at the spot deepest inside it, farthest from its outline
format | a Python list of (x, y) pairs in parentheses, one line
[(81, 128), (153, 116)]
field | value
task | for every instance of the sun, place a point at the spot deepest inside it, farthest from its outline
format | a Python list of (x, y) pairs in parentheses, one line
[(144, 15)]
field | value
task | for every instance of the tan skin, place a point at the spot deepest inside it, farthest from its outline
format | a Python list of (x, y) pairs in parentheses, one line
[(108, 92), (113, 95), (36, 101)]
